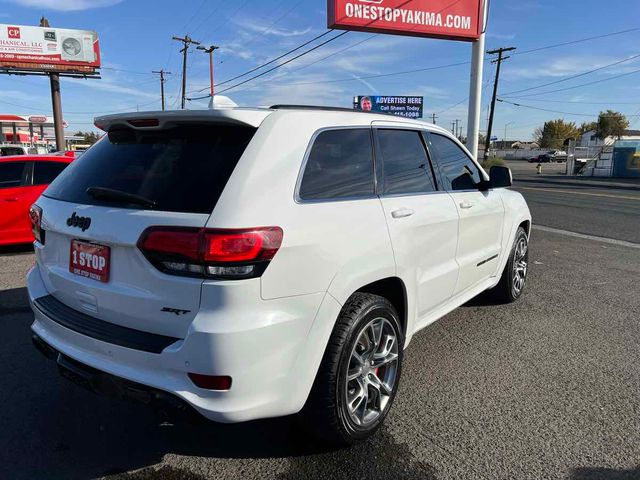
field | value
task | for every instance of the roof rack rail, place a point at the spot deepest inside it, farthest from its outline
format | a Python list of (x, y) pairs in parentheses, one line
[(333, 109), (311, 107)]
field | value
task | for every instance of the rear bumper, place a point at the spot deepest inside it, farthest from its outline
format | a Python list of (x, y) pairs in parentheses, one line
[(103, 383), (271, 349)]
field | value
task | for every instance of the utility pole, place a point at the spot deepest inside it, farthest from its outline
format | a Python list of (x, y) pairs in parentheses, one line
[(498, 61), (186, 41), (457, 122), (162, 80), (505, 129), (209, 50), (434, 116), (453, 127), (56, 103)]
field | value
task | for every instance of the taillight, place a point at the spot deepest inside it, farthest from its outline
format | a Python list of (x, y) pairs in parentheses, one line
[(35, 216), (211, 253), (211, 382)]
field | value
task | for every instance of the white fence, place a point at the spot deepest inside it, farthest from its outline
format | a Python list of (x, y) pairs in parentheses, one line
[(518, 154)]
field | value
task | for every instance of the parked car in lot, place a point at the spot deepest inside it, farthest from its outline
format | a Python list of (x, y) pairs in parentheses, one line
[(22, 179), (9, 150), (251, 263), (552, 156)]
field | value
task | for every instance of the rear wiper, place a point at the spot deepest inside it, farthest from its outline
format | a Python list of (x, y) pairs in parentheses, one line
[(109, 194)]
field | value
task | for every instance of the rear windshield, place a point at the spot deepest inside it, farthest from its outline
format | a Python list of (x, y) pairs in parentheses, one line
[(182, 169)]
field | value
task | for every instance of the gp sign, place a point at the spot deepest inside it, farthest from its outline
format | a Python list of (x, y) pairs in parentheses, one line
[(450, 19)]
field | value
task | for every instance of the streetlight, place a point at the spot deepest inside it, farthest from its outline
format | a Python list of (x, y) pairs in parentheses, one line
[(209, 50), (504, 139)]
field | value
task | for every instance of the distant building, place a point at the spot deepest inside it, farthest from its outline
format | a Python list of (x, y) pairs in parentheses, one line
[(514, 145), (590, 138)]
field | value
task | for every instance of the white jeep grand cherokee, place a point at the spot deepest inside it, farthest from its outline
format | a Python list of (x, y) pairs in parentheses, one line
[(252, 263)]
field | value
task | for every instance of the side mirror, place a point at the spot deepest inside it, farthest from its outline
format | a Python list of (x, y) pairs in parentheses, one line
[(500, 177)]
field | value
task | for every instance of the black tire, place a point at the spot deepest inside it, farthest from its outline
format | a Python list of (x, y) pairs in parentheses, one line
[(506, 291), (326, 414)]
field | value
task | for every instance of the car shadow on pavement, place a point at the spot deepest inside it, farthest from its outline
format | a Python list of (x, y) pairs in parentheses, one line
[(585, 473), (51, 428), (16, 249)]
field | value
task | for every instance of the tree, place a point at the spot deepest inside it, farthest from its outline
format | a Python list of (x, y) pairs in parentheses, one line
[(611, 124), (554, 133), (88, 137), (587, 127)]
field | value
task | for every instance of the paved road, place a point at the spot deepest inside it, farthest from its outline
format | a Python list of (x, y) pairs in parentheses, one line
[(548, 387), (612, 212)]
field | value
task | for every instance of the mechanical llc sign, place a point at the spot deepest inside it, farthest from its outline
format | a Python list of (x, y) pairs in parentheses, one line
[(454, 20), (409, 107), (45, 49)]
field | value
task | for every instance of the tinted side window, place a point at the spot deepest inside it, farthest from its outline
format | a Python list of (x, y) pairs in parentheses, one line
[(340, 165), (45, 172), (11, 174), (457, 170), (405, 162)]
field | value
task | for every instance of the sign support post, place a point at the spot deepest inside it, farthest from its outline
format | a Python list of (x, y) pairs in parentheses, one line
[(475, 96), (56, 104), (475, 85)]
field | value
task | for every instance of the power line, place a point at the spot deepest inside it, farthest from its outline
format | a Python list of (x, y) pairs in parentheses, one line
[(573, 42), (574, 76), (348, 47), (580, 102), (194, 15), (367, 77), (225, 20), (274, 23), (89, 112), (553, 111), (205, 19), (269, 62), (123, 70), (582, 84), (401, 72), (279, 65)]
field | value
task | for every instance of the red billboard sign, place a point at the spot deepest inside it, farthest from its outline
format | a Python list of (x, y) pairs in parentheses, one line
[(450, 19)]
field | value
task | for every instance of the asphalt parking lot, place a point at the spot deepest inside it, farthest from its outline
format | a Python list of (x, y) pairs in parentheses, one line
[(548, 387)]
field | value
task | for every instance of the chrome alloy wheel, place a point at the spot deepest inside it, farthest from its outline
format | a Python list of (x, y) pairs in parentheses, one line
[(520, 263), (372, 372)]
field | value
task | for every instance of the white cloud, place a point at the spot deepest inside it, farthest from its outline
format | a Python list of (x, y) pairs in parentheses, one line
[(66, 5), (107, 86), (501, 36), (272, 30)]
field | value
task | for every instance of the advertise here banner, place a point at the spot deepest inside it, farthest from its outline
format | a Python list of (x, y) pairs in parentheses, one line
[(409, 107), (48, 49), (454, 20)]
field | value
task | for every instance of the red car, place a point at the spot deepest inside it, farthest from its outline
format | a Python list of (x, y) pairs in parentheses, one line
[(22, 179)]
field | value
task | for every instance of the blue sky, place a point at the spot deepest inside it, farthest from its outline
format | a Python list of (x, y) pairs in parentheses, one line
[(135, 38)]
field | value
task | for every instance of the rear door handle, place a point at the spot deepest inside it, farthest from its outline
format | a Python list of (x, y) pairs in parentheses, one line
[(10, 199), (466, 204), (402, 213)]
